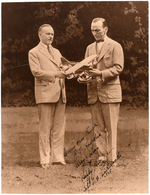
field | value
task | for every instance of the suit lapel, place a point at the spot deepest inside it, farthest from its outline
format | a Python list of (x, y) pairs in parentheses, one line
[(45, 52), (104, 48)]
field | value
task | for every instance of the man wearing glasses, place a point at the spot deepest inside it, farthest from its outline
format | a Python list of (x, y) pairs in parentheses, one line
[(104, 92)]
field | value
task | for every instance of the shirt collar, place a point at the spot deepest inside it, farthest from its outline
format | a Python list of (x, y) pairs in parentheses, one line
[(104, 39), (44, 45)]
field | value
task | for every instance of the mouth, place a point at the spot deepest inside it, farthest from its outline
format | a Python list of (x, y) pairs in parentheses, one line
[(98, 37)]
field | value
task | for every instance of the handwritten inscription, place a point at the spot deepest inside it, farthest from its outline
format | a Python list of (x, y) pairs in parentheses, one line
[(82, 139), (88, 132), (83, 161), (108, 170), (94, 139), (89, 177)]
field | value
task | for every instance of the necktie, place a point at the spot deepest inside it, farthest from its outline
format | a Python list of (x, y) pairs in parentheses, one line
[(50, 51)]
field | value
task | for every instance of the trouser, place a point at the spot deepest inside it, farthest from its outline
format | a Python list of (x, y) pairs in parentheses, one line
[(105, 119), (51, 131)]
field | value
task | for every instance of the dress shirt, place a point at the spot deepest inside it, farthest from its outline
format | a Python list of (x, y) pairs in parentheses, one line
[(99, 45)]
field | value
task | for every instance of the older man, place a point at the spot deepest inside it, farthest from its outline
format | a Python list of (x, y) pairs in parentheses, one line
[(50, 95), (104, 92)]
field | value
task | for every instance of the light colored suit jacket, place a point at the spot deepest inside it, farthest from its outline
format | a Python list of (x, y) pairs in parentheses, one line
[(43, 67), (111, 63)]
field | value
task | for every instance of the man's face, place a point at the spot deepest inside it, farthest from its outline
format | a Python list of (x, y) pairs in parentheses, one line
[(98, 30), (46, 35)]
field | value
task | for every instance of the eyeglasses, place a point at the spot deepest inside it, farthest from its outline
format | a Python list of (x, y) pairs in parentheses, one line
[(96, 30)]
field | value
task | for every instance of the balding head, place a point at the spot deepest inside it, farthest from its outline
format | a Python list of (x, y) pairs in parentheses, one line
[(101, 20), (99, 28), (46, 34), (42, 26)]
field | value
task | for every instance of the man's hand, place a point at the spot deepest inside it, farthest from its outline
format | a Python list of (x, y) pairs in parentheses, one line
[(94, 72)]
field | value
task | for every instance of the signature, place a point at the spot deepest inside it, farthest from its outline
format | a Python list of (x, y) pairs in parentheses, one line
[(106, 172), (89, 177)]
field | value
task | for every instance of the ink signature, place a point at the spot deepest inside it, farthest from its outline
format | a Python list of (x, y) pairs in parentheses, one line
[(89, 177)]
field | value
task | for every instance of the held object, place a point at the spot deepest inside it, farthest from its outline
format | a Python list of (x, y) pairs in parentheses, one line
[(79, 69)]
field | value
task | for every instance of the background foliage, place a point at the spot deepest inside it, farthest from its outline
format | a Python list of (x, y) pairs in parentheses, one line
[(128, 24)]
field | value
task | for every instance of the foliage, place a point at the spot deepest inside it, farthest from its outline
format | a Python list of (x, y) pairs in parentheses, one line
[(128, 24)]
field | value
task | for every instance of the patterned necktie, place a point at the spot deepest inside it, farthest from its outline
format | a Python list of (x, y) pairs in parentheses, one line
[(50, 51)]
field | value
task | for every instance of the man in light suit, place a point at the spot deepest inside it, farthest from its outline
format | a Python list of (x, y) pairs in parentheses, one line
[(50, 95), (104, 92)]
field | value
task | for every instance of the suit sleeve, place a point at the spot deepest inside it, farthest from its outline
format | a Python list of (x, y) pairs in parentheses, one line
[(36, 69), (117, 64)]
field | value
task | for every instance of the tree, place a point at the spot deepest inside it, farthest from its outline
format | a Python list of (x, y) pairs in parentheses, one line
[(128, 24)]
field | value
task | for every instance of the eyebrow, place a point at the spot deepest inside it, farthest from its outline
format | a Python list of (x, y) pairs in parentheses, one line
[(96, 29)]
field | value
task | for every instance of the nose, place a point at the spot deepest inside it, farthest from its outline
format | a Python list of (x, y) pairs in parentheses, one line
[(95, 32)]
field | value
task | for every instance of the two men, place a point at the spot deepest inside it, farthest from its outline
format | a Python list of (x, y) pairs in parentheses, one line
[(104, 92), (50, 95)]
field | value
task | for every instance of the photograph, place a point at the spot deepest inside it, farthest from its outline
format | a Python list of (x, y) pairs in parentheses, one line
[(74, 97)]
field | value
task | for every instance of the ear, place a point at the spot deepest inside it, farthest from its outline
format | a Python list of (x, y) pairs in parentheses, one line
[(106, 29), (39, 36)]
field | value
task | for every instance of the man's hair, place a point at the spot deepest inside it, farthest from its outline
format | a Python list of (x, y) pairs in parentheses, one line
[(42, 26), (100, 19)]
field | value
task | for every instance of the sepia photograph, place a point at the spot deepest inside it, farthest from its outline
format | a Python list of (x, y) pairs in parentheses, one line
[(74, 97)]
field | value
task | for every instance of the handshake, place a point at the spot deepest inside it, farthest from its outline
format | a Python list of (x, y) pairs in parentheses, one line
[(84, 70)]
